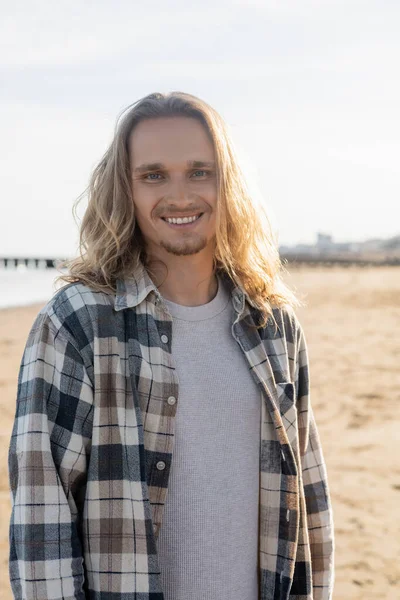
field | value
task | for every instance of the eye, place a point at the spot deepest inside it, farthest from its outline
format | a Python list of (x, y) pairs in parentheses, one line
[(148, 175)]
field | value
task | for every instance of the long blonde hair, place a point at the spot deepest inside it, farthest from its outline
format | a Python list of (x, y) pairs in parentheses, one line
[(111, 245)]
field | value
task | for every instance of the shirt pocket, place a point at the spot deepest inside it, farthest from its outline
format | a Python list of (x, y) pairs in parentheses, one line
[(286, 392)]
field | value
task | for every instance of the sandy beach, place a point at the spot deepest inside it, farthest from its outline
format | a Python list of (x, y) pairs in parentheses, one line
[(352, 326)]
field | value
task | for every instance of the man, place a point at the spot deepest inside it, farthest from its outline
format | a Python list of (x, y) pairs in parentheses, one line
[(164, 445)]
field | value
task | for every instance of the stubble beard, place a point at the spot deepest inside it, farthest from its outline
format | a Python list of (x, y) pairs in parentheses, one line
[(185, 247)]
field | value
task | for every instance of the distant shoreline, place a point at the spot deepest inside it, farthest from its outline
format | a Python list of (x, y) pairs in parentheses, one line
[(289, 267), (29, 306)]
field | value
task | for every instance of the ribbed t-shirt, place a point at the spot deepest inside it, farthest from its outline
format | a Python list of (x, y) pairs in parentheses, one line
[(208, 541)]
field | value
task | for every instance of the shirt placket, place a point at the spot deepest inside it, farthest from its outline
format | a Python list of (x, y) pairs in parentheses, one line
[(169, 389)]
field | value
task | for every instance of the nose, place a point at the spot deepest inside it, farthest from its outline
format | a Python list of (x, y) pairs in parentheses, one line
[(178, 189), (179, 194)]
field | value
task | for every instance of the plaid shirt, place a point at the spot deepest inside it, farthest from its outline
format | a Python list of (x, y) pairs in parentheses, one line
[(93, 438)]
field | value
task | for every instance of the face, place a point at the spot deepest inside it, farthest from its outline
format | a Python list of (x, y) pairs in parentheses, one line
[(173, 174)]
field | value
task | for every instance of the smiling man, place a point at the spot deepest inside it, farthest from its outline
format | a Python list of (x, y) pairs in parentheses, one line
[(175, 205), (164, 444)]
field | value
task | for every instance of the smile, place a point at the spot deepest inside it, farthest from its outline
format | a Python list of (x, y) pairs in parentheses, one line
[(180, 222)]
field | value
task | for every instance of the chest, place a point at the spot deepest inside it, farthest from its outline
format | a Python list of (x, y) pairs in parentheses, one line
[(139, 379)]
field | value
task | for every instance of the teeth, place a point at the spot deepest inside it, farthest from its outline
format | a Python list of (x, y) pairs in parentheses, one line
[(180, 220)]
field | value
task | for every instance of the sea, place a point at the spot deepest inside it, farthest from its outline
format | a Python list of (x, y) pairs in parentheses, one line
[(22, 285)]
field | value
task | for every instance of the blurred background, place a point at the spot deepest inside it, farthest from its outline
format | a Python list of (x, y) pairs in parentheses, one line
[(310, 92)]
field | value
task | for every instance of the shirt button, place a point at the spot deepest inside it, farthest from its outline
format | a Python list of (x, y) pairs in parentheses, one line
[(171, 400), (164, 338), (160, 465)]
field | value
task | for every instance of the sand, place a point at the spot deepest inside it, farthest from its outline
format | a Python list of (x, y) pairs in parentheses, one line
[(352, 326)]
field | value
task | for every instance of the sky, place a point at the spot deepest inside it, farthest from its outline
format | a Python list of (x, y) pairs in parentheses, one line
[(309, 89)]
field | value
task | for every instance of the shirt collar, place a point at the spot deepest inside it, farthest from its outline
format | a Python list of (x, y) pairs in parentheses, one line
[(133, 289)]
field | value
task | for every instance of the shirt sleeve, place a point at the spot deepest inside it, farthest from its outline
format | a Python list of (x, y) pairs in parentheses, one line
[(47, 461), (315, 482)]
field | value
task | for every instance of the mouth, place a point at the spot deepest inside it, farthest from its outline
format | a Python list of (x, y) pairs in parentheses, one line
[(190, 225)]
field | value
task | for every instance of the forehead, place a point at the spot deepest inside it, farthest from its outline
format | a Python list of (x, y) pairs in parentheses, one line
[(173, 139)]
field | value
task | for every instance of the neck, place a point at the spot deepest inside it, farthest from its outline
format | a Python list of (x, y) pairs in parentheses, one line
[(187, 282)]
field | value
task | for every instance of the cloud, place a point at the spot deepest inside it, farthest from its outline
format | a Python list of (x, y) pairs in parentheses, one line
[(65, 34), (310, 84)]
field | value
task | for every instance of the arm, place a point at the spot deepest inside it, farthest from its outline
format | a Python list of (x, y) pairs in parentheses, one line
[(47, 461), (315, 482)]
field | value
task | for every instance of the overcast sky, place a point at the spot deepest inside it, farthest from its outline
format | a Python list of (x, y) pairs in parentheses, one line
[(309, 89)]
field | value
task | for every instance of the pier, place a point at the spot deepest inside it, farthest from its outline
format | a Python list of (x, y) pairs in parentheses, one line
[(295, 259), (12, 262)]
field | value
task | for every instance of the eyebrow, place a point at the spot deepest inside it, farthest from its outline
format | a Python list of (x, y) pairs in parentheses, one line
[(195, 164)]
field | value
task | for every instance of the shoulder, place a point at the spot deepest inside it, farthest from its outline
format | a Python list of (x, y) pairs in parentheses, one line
[(287, 322), (75, 310)]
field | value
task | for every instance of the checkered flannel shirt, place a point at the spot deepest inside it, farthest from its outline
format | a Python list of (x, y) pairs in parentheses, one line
[(93, 425)]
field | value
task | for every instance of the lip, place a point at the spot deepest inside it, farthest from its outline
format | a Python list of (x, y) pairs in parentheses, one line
[(183, 225)]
